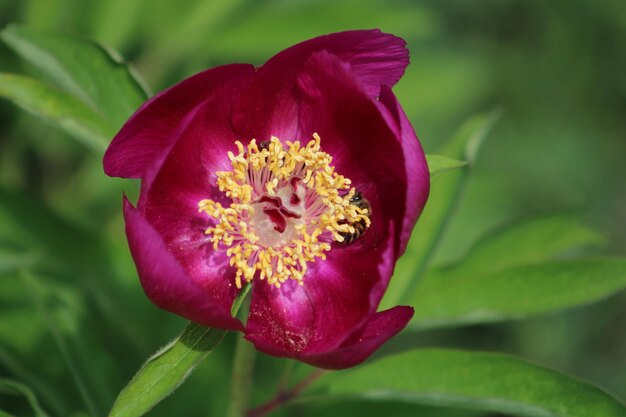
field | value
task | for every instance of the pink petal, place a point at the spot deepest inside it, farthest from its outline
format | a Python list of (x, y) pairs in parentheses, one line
[(148, 134), (355, 133), (336, 300), (380, 328), (167, 284), (186, 176), (417, 189), (375, 59)]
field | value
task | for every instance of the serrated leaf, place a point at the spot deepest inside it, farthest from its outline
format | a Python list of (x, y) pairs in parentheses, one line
[(57, 107), (438, 164), (95, 75), (515, 292), (441, 204), (166, 370), (11, 387), (484, 381)]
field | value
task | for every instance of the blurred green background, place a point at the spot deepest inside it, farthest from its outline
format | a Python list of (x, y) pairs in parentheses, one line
[(557, 69)]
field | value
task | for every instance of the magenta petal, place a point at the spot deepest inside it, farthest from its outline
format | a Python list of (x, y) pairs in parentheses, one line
[(375, 59), (281, 320), (354, 131), (149, 132), (417, 189), (380, 328), (186, 176), (335, 301), (199, 147), (336, 85), (342, 292), (166, 283)]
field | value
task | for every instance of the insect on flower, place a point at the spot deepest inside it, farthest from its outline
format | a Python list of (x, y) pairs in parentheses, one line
[(358, 227), (275, 176)]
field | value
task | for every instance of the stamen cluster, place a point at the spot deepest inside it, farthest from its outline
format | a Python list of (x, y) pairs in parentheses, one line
[(288, 205)]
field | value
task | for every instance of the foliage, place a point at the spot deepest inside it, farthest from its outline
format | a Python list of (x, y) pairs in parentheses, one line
[(525, 219)]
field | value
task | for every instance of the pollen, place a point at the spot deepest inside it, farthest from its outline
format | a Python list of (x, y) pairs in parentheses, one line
[(288, 205)]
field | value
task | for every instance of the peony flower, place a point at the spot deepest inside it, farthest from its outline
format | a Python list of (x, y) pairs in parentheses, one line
[(302, 177)]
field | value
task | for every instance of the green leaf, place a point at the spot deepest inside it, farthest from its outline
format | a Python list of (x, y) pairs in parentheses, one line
[(240, 299), (32, 226), (442, 202), (515, 292), (11, 387), (58, 107), (20, 368), (439, 163), (359, 407), (166, 370), (202, 17), (529, 241), (95, 75), (11, 260), (41, 300), (484, 381)]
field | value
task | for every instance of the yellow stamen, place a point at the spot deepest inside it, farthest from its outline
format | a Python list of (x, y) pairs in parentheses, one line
[(320, 213)]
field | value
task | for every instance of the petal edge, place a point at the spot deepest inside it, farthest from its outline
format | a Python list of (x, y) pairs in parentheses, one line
[(148, 132), (381, 327), (165, 282)]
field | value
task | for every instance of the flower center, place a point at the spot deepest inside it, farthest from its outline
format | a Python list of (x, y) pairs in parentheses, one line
[(288, 206)]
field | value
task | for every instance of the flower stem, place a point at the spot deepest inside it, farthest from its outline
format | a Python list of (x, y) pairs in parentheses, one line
[(282, 397), (285, 375), (243, 360), (241, 378)]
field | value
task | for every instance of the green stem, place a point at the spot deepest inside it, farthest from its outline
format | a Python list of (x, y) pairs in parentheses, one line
[(285, 375), (283, 397), (243, 360), (241, 378)]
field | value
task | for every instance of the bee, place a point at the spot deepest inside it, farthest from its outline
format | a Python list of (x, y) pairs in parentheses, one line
[(358, 226), (264, 145)]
